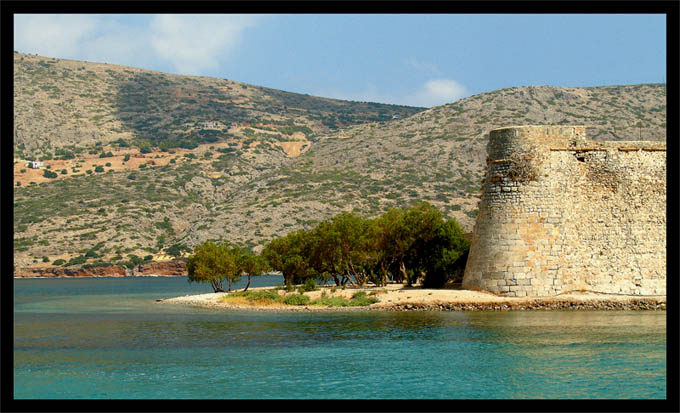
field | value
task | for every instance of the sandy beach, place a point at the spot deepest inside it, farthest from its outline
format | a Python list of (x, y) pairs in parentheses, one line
[(400, 298)]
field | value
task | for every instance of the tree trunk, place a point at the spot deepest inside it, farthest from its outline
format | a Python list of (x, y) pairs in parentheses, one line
[(216, 286), (359, 281), (247, 285), (404, 275), (348, 276)]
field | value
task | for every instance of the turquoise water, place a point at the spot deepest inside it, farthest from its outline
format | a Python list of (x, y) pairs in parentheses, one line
[(108, 338)]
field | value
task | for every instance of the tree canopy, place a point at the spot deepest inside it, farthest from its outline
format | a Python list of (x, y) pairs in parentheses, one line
[(401, 245), (213, 263)]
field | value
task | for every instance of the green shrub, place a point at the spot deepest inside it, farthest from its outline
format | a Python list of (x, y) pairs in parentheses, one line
[(145, 147), (297, 299), (135, 259), (176, 250), (309, 285), (45, 259), (359, 300), (359, 295), (64, 171), (76, 260), (49, 174), (257, 295), (59, 262), (99, 169), (126, 157), (332, 302), (91, 254)]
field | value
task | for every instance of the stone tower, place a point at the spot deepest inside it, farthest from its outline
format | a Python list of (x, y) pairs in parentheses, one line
[(560, 213)]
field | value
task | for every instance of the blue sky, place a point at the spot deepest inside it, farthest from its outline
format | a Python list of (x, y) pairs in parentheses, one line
[(409, 59)]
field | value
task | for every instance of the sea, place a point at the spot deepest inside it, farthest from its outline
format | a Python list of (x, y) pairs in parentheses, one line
[(108, 338)]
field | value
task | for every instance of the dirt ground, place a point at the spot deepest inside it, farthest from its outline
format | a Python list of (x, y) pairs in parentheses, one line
[(398, 296), (86, 161)]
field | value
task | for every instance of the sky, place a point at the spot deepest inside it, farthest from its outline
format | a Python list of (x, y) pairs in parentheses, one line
[(408, 59)]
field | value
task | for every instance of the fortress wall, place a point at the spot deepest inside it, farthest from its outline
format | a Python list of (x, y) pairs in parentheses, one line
[(561, 213)]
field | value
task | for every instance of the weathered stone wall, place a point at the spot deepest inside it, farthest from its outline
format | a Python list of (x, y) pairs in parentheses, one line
[(560, 213)]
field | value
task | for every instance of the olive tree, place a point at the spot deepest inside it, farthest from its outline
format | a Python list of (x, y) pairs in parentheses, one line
[(249, 264), (212, 263)]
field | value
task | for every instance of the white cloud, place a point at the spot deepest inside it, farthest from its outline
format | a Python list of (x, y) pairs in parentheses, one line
[(439, 92), (195, 43), (52, 35), (433, 93), (186, 44)]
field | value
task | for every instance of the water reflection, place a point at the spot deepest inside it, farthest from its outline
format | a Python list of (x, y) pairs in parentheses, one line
[(121, 344)]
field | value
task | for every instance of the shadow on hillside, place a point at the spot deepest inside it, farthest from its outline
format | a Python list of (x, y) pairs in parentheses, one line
[(158, 108)]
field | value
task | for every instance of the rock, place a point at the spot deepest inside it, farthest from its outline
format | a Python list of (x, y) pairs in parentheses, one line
[(159, 268), (60, 272), (163, 268)]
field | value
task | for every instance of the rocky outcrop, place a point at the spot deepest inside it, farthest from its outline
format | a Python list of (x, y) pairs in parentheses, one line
[(632, 304), (162, 268), (153, 269), (59, 272)]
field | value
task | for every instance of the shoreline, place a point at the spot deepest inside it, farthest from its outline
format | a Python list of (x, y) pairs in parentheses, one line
[(400, 298), (172, 268), (81, 277)]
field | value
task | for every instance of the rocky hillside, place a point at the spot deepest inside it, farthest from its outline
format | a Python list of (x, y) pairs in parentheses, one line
[(77, 106), (110, 203), (439, 154)]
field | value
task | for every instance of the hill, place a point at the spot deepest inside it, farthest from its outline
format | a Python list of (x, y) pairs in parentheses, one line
[(234, 172), (74, 105)]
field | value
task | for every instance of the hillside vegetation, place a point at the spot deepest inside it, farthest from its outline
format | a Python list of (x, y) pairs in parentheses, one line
[(177, 160), (74, 105)]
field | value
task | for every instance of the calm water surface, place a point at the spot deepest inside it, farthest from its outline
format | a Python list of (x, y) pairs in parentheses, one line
[(108, 338)]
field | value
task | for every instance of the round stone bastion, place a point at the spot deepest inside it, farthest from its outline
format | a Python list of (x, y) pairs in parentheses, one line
[(560, 213)]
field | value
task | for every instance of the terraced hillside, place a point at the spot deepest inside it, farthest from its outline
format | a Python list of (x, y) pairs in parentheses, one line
[(245, 188)]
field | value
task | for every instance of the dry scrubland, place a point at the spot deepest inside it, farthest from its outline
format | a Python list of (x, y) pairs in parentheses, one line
[(270, 163)]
